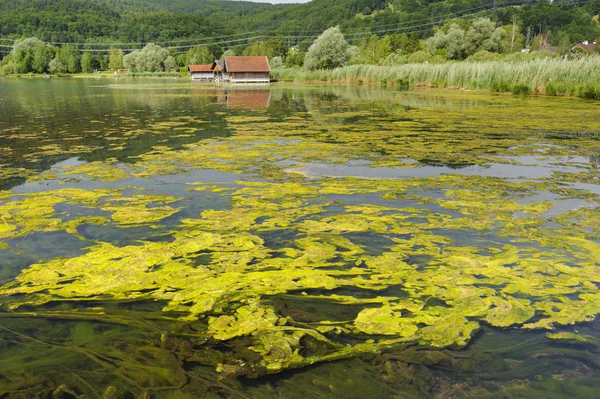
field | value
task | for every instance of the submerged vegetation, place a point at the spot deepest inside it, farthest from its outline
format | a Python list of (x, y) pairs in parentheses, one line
[(322, 228)]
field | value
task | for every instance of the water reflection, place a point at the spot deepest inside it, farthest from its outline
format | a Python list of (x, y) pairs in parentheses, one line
[(346, 182)]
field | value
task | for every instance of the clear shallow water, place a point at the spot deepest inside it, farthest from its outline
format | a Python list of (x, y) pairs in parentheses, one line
[(174, 240)]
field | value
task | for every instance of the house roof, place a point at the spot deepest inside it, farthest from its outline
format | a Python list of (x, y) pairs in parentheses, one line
[(247, 64), (218, 65), (586, 47), (200, 68)]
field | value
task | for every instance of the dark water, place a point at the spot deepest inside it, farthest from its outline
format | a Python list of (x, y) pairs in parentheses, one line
[(172, 240)]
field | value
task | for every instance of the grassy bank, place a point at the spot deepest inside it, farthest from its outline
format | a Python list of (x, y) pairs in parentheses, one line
[(551, 76)]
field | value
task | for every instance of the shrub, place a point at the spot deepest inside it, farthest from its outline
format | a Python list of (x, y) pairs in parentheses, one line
[(520, 89)]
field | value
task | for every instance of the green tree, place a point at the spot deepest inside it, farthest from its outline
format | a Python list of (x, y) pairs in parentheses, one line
[(275, 47), (513, 39), (330, 50), (115, 59), (149, 59), (483, 35), (255, 49), (57, 66), (42, 55), (295, 58), (87, 61), (170, 63), (199, 55), (130, 61), (276, 62), (374, 50), (68, 55)]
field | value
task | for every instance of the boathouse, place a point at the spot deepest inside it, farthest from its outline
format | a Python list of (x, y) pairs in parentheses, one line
[(243, 69), (220, 74), (201, 72)]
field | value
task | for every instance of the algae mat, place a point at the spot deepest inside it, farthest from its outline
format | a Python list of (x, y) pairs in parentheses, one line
[(159, 240)]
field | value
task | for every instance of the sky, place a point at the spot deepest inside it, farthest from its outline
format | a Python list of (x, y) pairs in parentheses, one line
[(280, 1)]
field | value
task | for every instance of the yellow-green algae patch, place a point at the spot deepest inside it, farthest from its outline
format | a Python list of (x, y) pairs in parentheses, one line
[(395, 263), (219, 269)]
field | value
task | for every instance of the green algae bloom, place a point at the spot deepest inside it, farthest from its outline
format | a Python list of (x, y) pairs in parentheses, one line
[(330, 236)]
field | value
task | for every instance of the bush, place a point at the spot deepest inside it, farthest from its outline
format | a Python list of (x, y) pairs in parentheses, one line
[(590, 92), (419, 57), (520, 89), (500, 86), (483, 55)]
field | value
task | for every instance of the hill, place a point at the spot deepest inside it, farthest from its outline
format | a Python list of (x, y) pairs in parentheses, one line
[(179, 24)]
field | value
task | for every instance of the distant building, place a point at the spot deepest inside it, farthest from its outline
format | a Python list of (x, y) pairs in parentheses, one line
[(242, 69), (586, 46), (220, 74), (201, 72)]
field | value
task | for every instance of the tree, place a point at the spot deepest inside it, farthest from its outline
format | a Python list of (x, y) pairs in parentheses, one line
[(374, 50), (130, 61), (68, 56), (255, 49), (182, 60), (115, 59), (459, 44), (275, 47), (276, 62), (228, 53), (56, 66), (452, 42), (25, 44), (170, 63), (199, 55), (483, 35), (149, 59), (513, 38), (86, 62), (295, 58), (42, 56), (330, 50)]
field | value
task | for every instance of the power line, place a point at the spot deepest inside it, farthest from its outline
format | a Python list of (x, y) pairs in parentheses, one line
[(261, 33), (407, 27)]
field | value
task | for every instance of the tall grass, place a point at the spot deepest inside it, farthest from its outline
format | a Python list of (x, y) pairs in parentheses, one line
[(159, 74), (551, 76)]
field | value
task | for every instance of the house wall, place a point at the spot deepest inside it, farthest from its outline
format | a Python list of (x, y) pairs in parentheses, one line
[(222, 76), (202, 76), (250, 77)]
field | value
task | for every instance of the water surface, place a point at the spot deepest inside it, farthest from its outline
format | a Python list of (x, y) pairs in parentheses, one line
[(166, 239)]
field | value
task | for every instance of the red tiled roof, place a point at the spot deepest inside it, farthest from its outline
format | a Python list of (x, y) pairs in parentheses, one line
[(247, 64), (200, 68)]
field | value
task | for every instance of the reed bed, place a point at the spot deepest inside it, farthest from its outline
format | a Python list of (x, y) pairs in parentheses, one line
[(551, 76)]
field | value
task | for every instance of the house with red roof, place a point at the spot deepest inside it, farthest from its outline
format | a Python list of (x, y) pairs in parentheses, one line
[(242, 69), (201, 72)]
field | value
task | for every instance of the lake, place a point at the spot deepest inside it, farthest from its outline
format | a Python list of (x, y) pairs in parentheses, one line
[(167, 239)]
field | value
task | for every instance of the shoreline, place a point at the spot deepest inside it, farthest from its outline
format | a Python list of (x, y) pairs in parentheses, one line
[(552, 77)]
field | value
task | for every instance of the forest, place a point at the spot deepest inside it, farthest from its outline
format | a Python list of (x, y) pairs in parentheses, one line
[(72, 36)]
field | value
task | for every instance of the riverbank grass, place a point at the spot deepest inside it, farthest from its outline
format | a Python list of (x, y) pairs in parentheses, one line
[(551, 76)]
